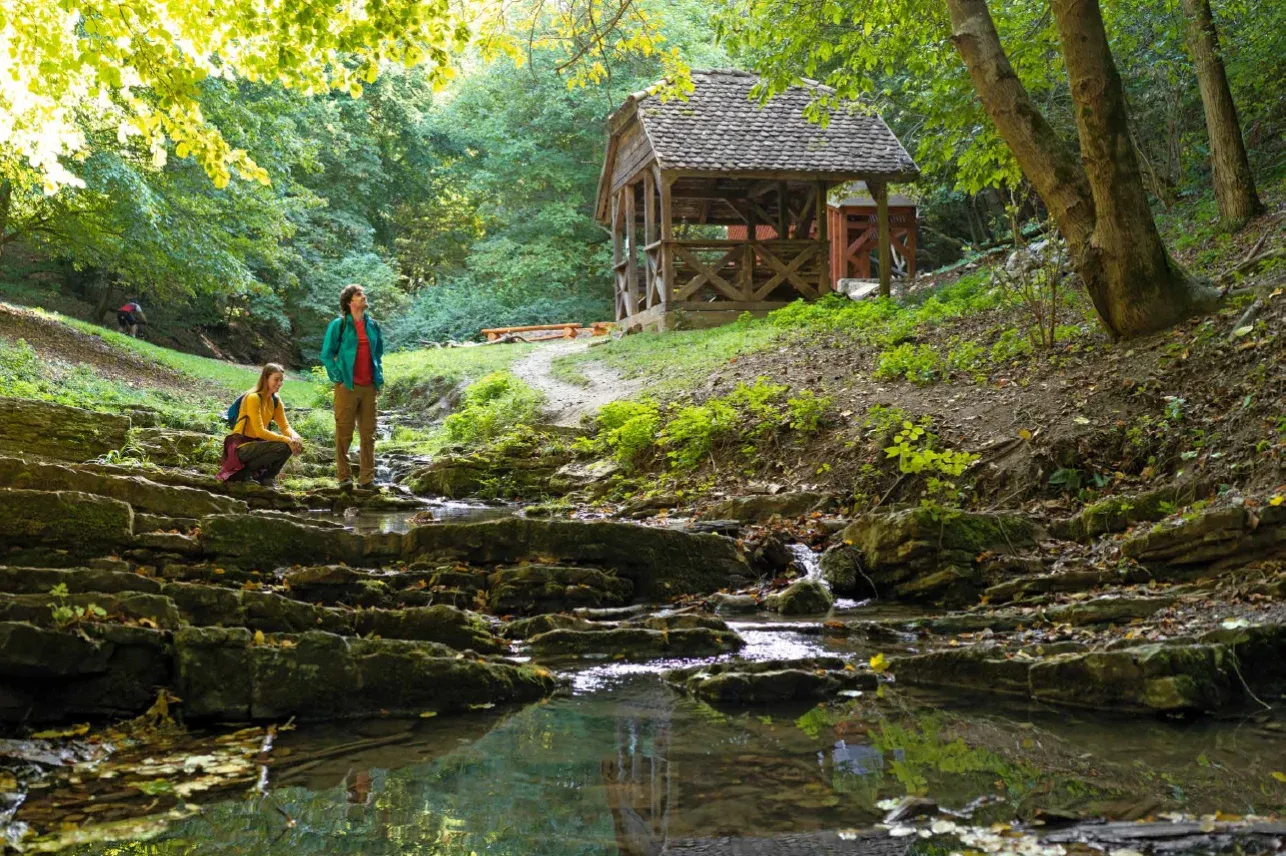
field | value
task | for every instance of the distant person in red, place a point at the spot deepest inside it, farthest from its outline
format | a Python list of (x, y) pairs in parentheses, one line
[(352, 354), (130, 316)]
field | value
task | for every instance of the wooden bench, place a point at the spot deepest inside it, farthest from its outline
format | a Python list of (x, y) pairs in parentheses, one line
[(569, 330)]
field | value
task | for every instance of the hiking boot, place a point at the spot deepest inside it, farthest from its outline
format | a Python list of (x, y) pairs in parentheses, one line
[(271, 484), (345, 485)]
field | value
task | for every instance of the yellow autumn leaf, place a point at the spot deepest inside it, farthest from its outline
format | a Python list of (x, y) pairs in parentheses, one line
[(1277, 500), (259, 640), (428, 714), (1024, 434), (879, 663), (1279, 776)]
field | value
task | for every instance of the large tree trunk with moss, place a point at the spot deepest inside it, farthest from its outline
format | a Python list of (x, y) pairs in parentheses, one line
[(1099, 201), (1234, 182)]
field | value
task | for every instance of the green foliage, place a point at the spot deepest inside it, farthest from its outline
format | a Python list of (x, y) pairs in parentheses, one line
[(690, 436), (806, 410), (919, 364), (492, 407), (758, 405), (969, 357), (626, 429), (913, 448), (1011, 344), (66, 614)]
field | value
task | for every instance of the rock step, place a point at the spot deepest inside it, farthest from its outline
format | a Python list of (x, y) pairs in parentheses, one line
[(1208, 674), (223, 674), (634, 643), (775, 681), (173, 605)]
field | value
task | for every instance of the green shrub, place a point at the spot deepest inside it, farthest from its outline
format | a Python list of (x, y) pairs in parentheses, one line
[(805, 411), (493, 406), (919, 364), (627, 429), (757, 405), (692, 435), (1011, 344)]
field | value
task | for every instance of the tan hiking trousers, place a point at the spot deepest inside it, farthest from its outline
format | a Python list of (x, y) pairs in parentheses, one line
[(355, 406)]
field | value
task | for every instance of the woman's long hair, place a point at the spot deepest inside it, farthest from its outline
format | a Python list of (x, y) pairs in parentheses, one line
[(269, 370)]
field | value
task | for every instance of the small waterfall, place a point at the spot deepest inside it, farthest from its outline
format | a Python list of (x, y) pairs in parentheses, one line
[(812, 564), (809, 561)]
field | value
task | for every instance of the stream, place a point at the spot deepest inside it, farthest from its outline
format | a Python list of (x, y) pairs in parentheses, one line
[(622, 765)]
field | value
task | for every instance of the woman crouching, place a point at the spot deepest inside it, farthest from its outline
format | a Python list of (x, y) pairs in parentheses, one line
[(253, 450)]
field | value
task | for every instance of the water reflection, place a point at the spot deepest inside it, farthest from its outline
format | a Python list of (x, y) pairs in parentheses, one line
[(629, 768), (403, 520)]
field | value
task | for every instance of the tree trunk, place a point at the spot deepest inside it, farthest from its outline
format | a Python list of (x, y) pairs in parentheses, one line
[(1126, 263), (1046, 161), (1234, 182), (1099, 202)]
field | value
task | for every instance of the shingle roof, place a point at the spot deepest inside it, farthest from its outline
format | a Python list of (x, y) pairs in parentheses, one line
[(721, 129)]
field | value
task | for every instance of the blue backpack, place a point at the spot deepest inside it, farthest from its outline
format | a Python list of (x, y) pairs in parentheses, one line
[(231, 416)]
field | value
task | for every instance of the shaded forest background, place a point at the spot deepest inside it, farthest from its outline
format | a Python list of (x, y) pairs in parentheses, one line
[(472, 206)]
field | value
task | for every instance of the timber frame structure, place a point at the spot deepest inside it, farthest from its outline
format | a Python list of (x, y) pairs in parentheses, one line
[(677, 173)]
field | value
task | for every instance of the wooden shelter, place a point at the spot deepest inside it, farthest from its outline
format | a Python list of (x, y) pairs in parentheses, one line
[(853, 227), (679, 172)]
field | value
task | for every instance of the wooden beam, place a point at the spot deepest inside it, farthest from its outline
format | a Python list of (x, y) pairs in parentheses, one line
[(704, 273), (820, 212), (783, 197), (806, 214), (631, 255), (786, 272), (880, 192), (665, 182), (649, 236)]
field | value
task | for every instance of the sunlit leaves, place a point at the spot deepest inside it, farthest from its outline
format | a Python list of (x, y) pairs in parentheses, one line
[(146, 61)]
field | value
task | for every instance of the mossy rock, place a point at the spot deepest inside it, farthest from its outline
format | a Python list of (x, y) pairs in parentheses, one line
[(80, 523), (923, 554), (525, 628), (663, 563), (441, 623), (635, 643), (757, 508), (733, 604), (141, 493), (771, 682), (1163, 678), (223, 675), (533, 589), (40, 580), (267, 541), (1118, 513), (805, 597), (338, 584), (58, 431)]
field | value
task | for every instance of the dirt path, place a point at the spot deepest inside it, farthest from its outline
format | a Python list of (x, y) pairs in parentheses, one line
[(567, 403), (60, 343)]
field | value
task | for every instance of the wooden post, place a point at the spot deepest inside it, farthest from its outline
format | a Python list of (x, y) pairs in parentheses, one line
[(664, 181), (631, 256), (880, 191), (824, 274), (752, 235), (783, 219), (649, 236), (617, 254)]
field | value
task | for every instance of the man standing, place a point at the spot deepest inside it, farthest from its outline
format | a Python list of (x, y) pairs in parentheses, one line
[(352, 353)]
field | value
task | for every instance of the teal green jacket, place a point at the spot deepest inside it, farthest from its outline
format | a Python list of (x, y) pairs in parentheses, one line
[(339, 350)]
